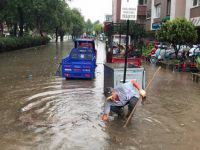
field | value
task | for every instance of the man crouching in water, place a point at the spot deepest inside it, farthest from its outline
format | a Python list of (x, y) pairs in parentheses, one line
[(122, 95)]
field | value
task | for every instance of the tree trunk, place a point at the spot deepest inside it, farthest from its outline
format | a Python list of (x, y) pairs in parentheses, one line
[(21, 21), (1, 26), (41, 34), (26, 28), (56, 34), (38, 23), (15, 30), (176, 50), (61, 37)]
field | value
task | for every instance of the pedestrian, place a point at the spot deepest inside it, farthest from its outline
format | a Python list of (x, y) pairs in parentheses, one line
[(124, 94)]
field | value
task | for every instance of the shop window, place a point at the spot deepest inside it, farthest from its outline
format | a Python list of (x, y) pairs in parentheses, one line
[(157, 11)]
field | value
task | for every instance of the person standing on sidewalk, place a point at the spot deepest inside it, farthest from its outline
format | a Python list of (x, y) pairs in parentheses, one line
[(120, 96)]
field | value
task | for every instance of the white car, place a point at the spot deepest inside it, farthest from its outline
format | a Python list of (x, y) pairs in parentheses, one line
[(194, 51)]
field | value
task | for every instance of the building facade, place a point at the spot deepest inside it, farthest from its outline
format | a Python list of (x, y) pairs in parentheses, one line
[(193, 12), (151, 13), (141, 16), (158, 10), (161, 10), (108, 18)]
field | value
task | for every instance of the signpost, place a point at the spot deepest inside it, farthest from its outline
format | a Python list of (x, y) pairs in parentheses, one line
[(128, 12)]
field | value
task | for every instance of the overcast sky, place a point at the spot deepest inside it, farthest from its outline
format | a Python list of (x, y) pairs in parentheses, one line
[(93, 9)]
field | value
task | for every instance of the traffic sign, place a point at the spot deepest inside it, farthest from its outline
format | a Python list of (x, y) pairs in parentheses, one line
[(129, 9)]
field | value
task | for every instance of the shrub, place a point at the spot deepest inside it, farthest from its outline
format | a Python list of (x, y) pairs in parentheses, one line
[(14, 43), (147, 49), (198, 62)]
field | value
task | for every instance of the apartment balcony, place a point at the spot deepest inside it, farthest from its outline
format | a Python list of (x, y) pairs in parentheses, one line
[(142, 10), (195, 12)]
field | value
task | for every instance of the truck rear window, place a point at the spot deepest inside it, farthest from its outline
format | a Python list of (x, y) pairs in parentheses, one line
[(81, 55)]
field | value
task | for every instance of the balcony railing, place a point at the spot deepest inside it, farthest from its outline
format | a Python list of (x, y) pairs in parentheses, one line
[(142, 10)]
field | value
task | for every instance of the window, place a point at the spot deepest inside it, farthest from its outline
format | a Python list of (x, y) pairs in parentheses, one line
[(157, 11), (168, 7), (142, 2), (196, 2), (148, 13)]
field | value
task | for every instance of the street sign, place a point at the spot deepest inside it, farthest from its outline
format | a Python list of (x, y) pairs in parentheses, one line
[(129, 9), (156, 25)]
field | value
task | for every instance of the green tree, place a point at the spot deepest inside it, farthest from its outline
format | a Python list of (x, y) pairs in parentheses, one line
[(77, 23), (88, 27), (136, 31), (17, 14), (177, 32), (2, 15), (64, 21), (198, 62), (97, 27), (61, 19), (39, 16)]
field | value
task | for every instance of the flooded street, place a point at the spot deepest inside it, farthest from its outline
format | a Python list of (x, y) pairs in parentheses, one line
[(42, 111)]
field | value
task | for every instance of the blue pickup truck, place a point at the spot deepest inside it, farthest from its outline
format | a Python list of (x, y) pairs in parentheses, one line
[(81, 61)]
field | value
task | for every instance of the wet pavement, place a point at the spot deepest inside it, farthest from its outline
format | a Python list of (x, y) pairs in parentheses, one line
[(42, 111)]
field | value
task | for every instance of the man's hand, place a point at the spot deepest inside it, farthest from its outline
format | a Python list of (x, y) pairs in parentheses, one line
[(104, 117), (143, 93)]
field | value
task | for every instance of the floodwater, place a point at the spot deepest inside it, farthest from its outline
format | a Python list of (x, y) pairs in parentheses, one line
[(42, 111)]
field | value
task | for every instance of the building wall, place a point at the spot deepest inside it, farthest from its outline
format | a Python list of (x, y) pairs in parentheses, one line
[(180, 8), (149, 4), (187, 9), (163, 10), (116, 9), (156, 2), (193, 13), (142, 10), (148, 24), (173, 9)]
